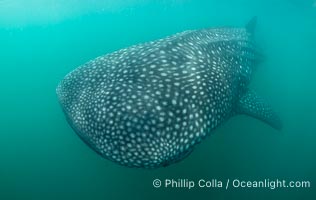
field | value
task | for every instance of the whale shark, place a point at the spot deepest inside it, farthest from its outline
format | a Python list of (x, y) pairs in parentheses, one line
[(149, 105)]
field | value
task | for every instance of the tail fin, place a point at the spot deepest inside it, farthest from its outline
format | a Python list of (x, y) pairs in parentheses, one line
[(250, 27)]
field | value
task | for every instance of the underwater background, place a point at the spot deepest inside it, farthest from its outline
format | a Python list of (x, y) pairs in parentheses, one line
[(42, 158)]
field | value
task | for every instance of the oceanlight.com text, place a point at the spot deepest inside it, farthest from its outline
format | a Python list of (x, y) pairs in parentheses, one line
[(271, 184)]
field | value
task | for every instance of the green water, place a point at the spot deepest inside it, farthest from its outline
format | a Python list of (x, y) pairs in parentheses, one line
[(42, 158)]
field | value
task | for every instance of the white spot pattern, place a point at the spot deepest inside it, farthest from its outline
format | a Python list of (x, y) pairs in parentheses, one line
[(148, 105)]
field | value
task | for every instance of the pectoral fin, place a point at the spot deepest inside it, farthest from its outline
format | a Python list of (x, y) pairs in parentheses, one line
[(254, 106)]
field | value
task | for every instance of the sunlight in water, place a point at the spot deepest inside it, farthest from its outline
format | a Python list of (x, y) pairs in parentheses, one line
[(21, 12)]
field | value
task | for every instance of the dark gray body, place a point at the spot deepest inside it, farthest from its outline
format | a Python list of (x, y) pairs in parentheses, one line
[(148, 105)]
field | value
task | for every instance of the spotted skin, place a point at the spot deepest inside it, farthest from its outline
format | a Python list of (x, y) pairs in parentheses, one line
[(148, 105)]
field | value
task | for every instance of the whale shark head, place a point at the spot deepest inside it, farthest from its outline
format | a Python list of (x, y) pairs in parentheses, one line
[(148, 105)]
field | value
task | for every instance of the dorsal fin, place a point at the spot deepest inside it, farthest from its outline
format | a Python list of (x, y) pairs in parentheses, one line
[(251, 25)]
